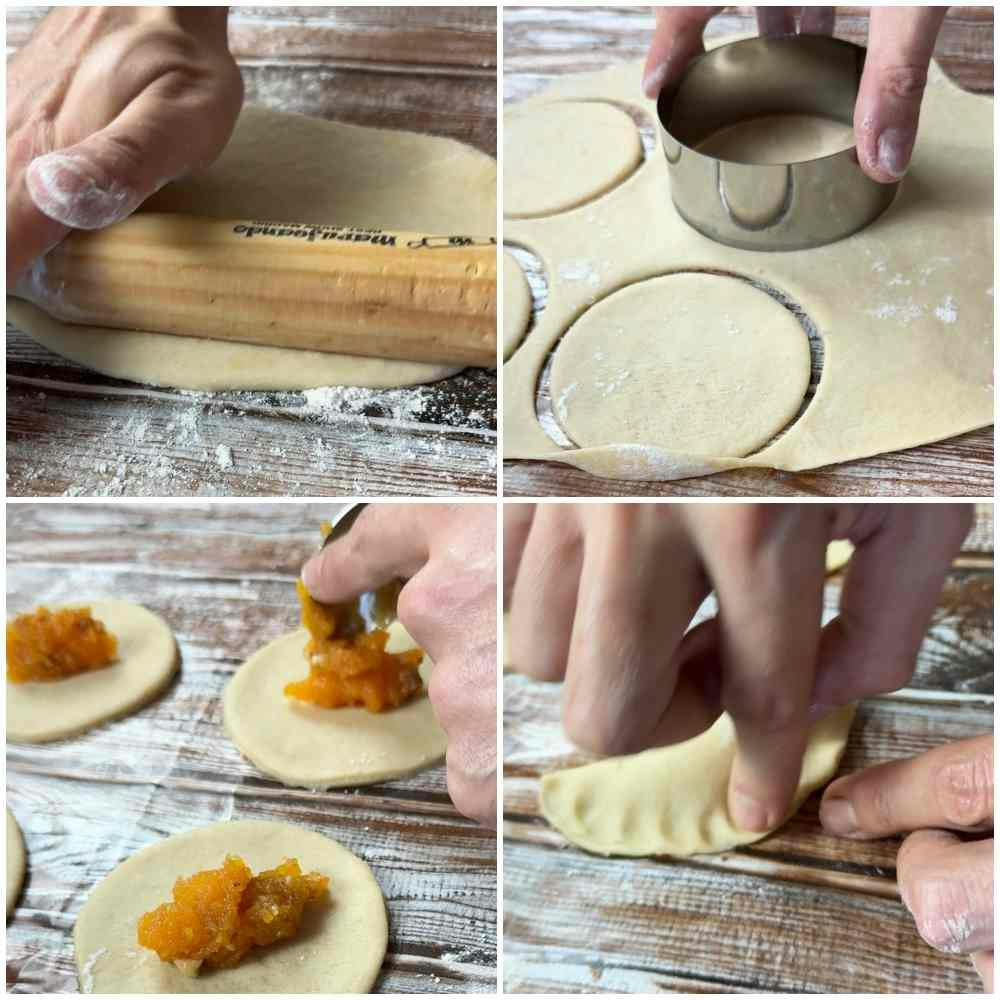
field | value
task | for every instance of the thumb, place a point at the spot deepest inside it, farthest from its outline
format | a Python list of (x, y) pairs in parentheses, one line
[(105, 177), (900, 44)]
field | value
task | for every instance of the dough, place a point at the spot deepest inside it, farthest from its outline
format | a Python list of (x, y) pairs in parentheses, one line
[(516, 305), (16, 858), (292, 168), (147, 660), (310, 747), (779, 139), (663, 362), (904, 308), (339, 949), (672, 800), (562, 155)]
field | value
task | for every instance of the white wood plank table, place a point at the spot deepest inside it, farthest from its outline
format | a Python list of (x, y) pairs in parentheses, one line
[(222, 576), (540, 44), (800, 911), (71, 431)]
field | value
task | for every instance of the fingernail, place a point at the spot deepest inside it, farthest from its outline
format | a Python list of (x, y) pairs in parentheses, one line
[(652, 84), (748, 813), (311, 574), (894, 146), (70, 190), (838, 817)]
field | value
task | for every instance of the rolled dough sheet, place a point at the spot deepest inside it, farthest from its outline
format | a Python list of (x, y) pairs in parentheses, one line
[(779, 139), (305, 746), (16, 861), (904, 308), (147, 660), (293, 168), (672, 800), (516, 305), (339, 948), (562, 155)]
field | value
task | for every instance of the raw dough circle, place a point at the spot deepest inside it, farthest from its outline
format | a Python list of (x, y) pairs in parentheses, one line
[(599, 140), (147, 659), (701, 364), (16, 858), (339, 948), (305, 746), (292, 168), (779, 139), (516, 305)]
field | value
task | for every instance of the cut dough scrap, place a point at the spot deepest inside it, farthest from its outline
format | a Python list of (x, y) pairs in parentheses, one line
[(904, 308), (339, 948), (38, 712), (599, 142), (700, 363), (292, 168), (779, 139), (672, 800), (16, 862), (516, 305), (305, 746)]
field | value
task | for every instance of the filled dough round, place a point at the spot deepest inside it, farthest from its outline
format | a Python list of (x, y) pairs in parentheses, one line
[(306, 746), (779, 139), (292, 168), (699, 364), (16, 859), (516, 305), (339, 948), (600, 141), (147, 659), (672, 800)]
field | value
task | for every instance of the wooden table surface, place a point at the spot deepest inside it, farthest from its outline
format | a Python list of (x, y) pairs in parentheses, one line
[(541, 44), (222, 576), (73, 432), (798, 912)]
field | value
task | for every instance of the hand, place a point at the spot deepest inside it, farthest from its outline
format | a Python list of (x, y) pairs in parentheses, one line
[(447, 554), (105, 105), (900, 45), (946, 882), (604, 593)]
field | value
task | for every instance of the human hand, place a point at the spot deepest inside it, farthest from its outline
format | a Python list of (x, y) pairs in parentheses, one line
[(945, 881), (447, 555), (105, 105), (900, 44), (604, 593)]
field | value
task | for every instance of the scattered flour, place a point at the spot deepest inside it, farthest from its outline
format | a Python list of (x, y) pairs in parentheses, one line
[(947, 312)]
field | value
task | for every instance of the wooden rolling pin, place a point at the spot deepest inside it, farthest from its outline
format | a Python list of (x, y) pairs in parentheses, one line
[(314, 287)]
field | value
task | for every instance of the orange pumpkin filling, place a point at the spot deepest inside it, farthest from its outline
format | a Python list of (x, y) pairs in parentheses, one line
[(49, 645), (219, 914), (353, 669)]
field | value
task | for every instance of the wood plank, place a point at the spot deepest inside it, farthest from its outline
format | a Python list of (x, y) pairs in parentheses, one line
[(222, 576)]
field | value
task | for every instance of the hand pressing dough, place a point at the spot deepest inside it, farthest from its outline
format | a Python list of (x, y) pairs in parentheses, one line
[(904, 308), (339, 948), (779, 139), (16, 861), (562, 155), (305, 746), (291, 168), (715, 388), (672, 800), (516, 305), (38, 712)]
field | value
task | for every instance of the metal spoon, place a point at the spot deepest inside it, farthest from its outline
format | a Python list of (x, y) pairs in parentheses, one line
[(373, 609)]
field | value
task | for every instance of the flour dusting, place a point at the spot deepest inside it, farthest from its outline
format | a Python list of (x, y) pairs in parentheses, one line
[(947, 312)]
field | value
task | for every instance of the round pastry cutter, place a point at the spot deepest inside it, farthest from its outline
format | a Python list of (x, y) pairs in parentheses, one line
[(768, 206)]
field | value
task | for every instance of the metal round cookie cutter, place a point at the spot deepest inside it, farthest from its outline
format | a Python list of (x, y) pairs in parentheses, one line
[(757, 206)]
